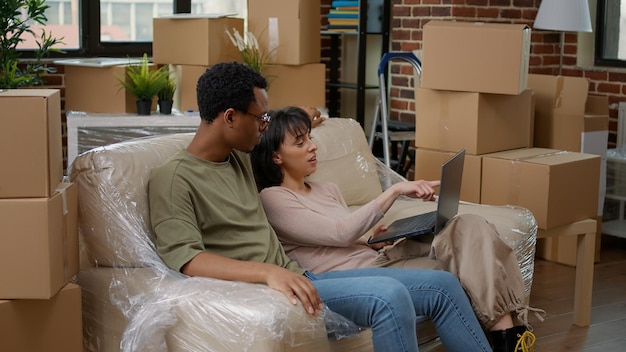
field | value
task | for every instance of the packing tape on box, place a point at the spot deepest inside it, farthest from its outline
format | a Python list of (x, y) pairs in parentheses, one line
[(444, 123), (65, 244), (64, 199), (544, 155), (558, 96), (273, 40)]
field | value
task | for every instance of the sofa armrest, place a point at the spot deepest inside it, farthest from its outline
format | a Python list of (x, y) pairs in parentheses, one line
[(142, 309), (199, 314)]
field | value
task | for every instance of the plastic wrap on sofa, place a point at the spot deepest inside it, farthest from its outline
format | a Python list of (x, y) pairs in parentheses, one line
[(132, 301)]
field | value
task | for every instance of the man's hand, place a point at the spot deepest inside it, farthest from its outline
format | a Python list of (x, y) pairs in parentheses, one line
[(295, 287), (314, 115), (380, 245)]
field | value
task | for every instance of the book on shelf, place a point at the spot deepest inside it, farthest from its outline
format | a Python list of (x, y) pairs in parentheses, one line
[(346, 8), (342, 30), (352, 22), (334, 11), (344, 3), (343, 15)]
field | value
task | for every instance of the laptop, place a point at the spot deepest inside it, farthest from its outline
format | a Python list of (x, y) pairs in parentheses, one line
[(447, 206)]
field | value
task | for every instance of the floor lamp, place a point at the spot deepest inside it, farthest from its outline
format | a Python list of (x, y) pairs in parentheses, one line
[(563, 16)]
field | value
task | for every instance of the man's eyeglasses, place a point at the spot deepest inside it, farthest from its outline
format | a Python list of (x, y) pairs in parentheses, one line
[(265, 119)]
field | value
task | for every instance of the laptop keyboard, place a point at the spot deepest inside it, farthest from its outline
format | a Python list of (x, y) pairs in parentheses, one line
[(424, 221)]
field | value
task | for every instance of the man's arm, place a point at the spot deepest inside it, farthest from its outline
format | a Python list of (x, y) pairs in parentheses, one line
[(293, 286)]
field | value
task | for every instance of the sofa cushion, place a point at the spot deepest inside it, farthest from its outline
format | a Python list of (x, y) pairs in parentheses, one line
[(344, 158)]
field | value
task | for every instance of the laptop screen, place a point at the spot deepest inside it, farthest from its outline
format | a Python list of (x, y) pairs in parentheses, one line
[(450, 190)]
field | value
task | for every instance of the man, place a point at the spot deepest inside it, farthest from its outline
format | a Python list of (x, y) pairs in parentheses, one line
[(208, 221)]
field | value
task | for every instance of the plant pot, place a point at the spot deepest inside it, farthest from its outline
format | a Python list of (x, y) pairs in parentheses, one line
[(143, 107), (165, 107)]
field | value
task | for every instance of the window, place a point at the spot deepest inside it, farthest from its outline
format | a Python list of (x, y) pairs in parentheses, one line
[(611, 33), (117, 27)]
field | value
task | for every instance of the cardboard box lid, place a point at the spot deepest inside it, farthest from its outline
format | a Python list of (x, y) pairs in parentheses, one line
[(27, 93), (543, 156)]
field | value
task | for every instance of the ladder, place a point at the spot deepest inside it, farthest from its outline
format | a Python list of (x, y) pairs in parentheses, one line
[(396, 131)]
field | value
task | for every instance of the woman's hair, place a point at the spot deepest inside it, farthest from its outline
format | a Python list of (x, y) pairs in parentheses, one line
[(291, 120), (227, 85)]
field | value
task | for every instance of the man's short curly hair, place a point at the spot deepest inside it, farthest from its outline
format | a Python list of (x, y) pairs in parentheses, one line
[(227, 85)]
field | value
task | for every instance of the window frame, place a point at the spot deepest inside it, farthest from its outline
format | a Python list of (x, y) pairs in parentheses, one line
[(600, 39), (89, 34)]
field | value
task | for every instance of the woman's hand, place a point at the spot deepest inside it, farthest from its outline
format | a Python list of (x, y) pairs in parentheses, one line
[(380, 245), (417, 189), (314, 115)]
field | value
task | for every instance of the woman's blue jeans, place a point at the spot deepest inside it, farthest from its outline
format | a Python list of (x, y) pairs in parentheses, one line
[(389, 300)]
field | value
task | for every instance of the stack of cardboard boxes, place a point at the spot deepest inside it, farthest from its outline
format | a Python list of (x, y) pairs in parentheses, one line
[(290, 31), (474, 94), (568, 118), (39, 308), (287, 31), (193, 43)]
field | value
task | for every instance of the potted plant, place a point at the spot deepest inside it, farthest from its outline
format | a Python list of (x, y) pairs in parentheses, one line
[(16, 20), (144, 82), (251, 54), (166, 95)]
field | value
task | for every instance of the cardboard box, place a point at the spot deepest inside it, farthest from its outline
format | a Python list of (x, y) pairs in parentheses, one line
[(559, 110), (31, 152), (110, 97), (53, 325), (288, 30), (475, 57), (428, 167), (187, 80), (479, 122), (559, 187), (194, 40), (285, 85), (38, 244), (296, 85)]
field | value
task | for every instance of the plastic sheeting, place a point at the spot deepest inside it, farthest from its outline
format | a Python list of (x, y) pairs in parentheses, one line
[(133, 302)]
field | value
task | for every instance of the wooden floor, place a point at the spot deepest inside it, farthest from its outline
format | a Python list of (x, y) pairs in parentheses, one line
[(553, 291)]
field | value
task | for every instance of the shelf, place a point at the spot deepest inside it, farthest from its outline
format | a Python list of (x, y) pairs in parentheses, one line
[(351, 33), (348, 85), (373, 20)]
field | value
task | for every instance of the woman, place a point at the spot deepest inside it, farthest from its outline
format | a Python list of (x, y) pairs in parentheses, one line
[(320, 232)]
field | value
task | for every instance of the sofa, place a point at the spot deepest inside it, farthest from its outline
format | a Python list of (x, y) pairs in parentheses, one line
[(133, 302)]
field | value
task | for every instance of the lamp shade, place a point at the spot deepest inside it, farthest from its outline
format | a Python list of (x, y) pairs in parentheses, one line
[(564, 15)]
